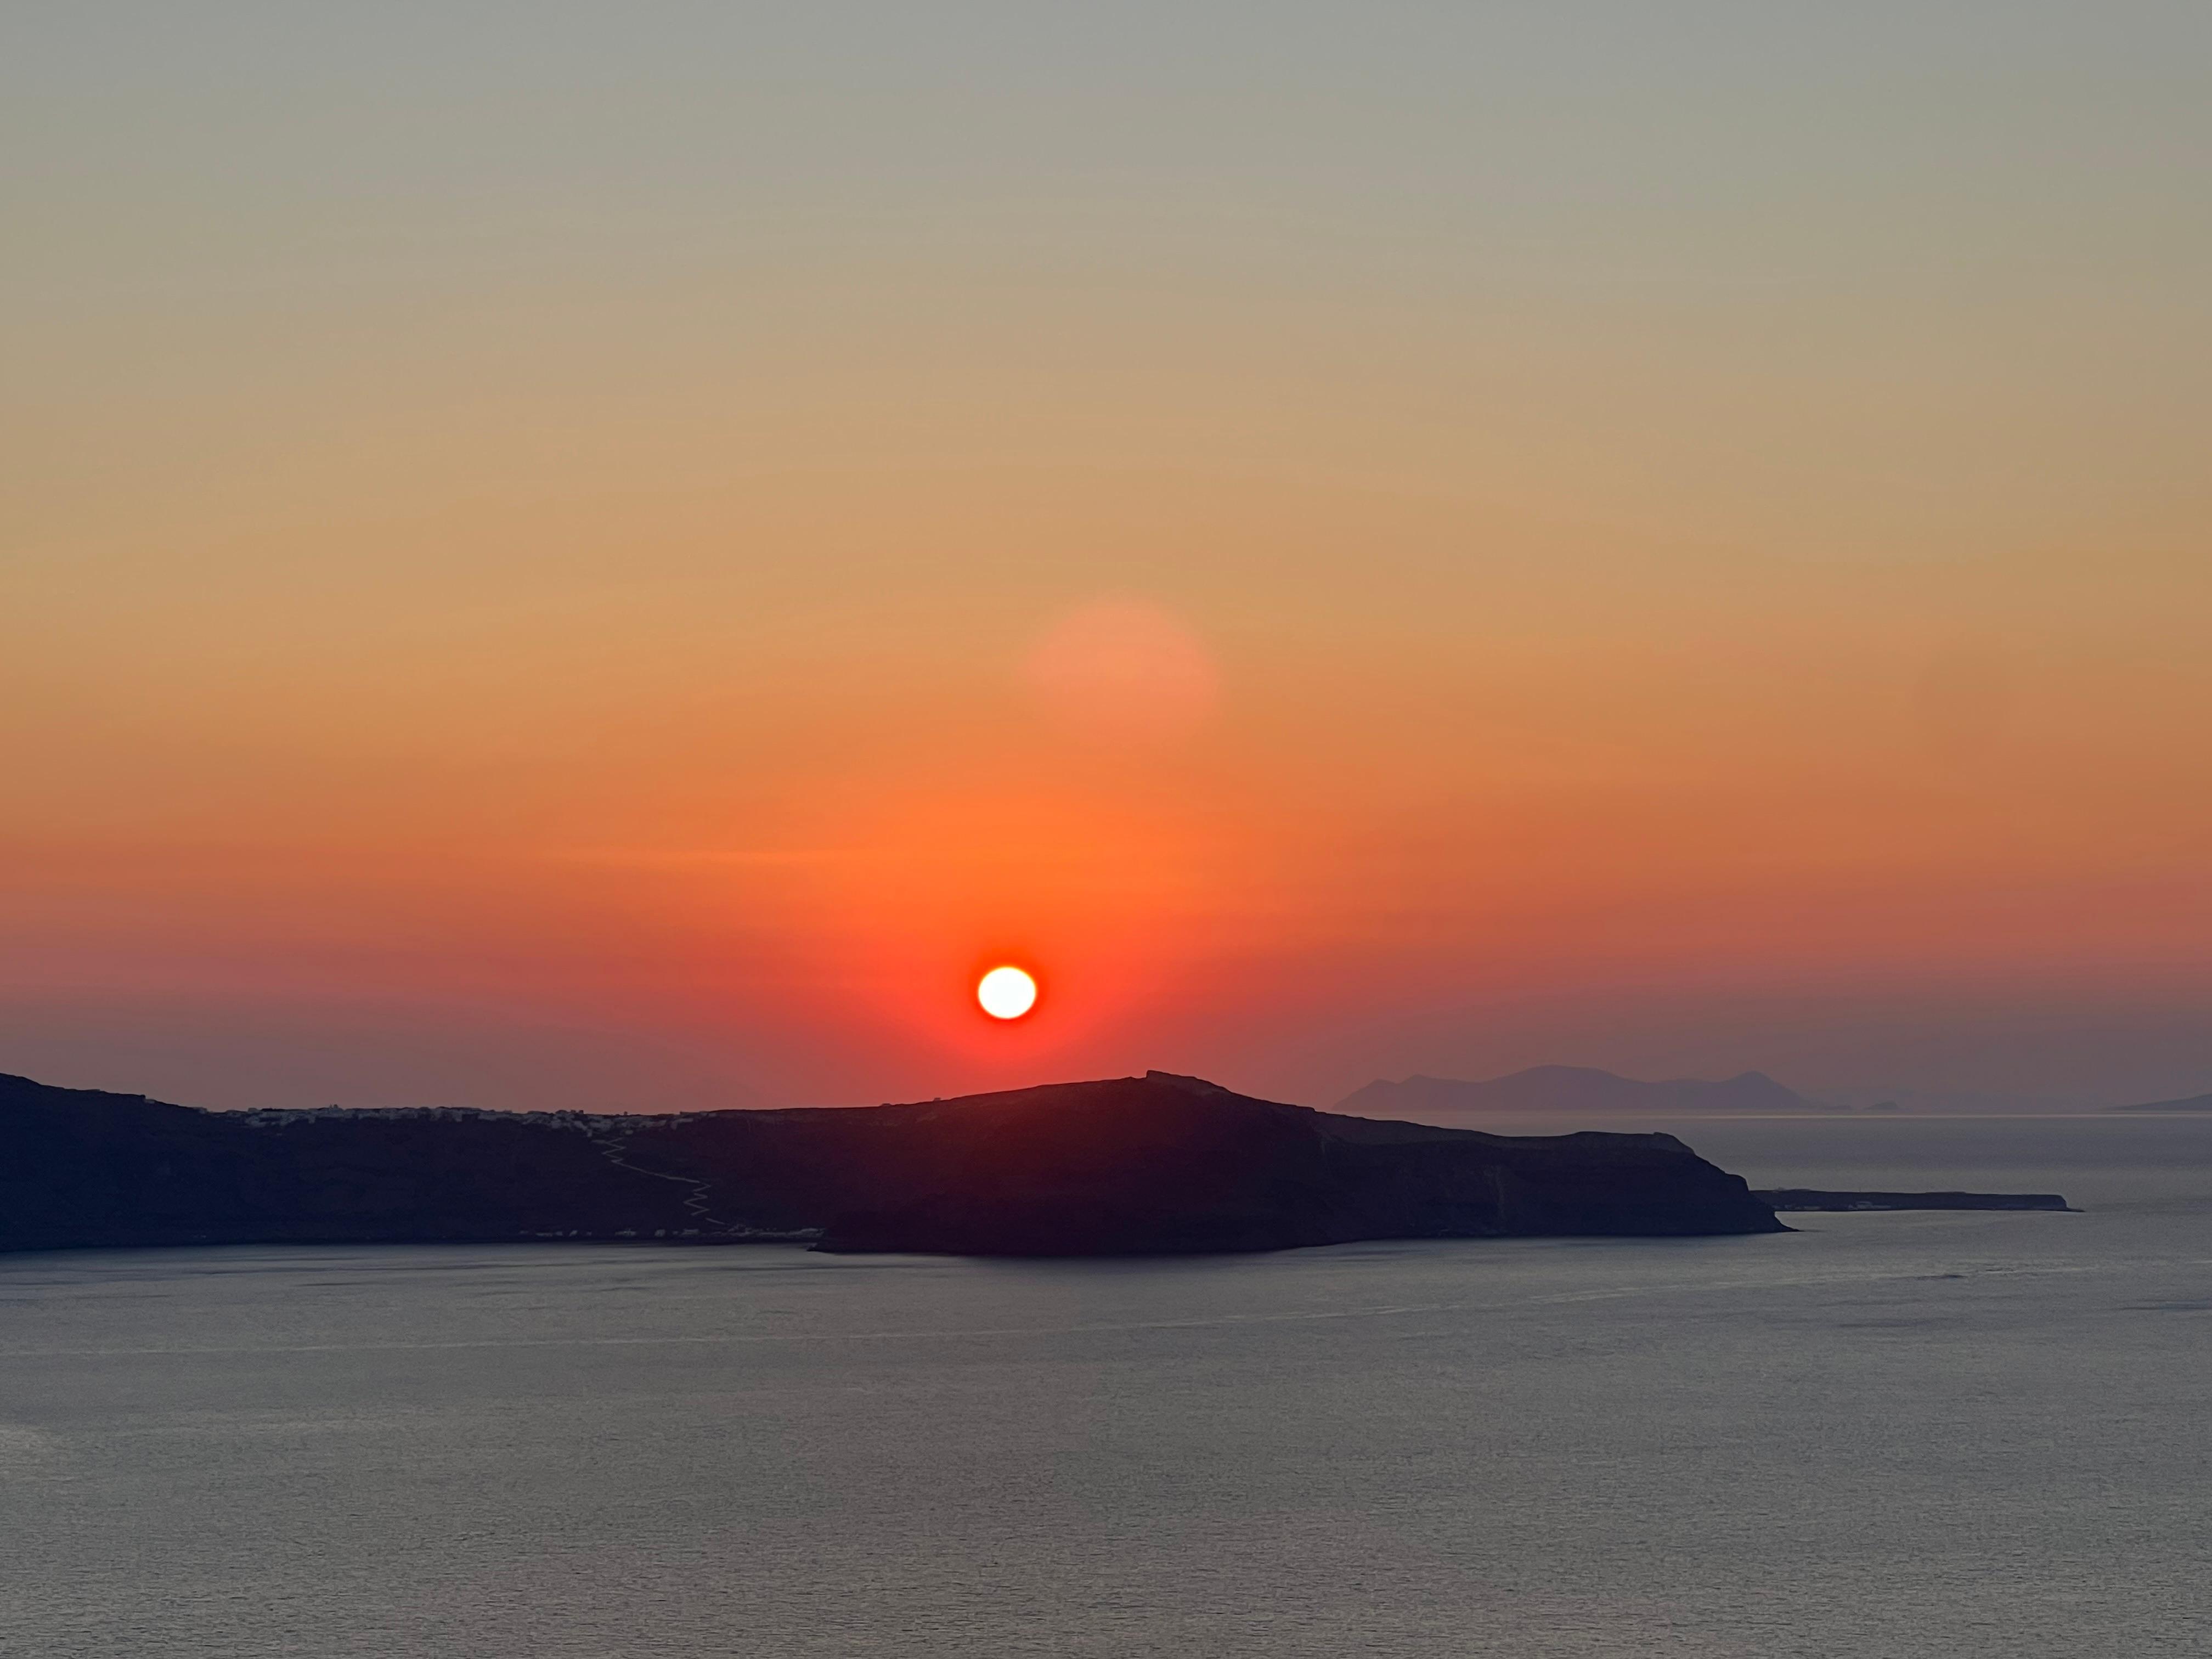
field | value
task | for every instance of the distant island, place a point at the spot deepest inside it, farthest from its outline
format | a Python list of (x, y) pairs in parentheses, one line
[(2193, 1103), (1155, 1165), (1789, 1200), (1579, 1088)]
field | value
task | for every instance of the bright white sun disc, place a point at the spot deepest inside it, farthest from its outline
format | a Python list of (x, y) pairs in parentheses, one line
[(1006, 993)]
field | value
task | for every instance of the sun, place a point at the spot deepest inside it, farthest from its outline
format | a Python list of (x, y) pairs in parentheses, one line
[(1006, 993)]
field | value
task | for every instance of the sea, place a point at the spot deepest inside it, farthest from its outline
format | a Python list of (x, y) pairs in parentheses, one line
[(1892, 1436)]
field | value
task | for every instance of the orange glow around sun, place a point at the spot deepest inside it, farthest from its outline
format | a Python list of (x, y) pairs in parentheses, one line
[(1006, 993)]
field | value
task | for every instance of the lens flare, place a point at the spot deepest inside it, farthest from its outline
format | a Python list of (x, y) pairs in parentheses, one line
[(1006, 993), (1124, 672)]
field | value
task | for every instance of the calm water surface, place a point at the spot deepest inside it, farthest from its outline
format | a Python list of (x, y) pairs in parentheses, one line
[(1935, 1434)]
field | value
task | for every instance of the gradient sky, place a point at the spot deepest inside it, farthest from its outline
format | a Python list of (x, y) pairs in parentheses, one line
[(595, 555)]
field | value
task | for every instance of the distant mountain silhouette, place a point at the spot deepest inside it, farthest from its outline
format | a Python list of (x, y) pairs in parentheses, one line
[(1576, 1089), (2193, 1103), (1127, 1166)]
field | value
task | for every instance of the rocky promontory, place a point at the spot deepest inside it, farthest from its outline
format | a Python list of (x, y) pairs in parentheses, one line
[(1807, 1198)]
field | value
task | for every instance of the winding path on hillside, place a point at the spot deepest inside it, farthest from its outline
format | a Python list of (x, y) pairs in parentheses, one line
[(613, 1143)]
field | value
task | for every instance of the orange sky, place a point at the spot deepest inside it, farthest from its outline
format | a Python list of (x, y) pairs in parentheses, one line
[(619, 572)]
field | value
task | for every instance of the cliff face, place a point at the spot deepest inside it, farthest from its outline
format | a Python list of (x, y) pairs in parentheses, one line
[(81, 1167), (1136, 1165)]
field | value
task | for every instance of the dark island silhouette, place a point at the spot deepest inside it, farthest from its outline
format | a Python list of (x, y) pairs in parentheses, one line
[(2191, 1103), (1578, 1089), (1156, 1164), (1159, 1164)]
